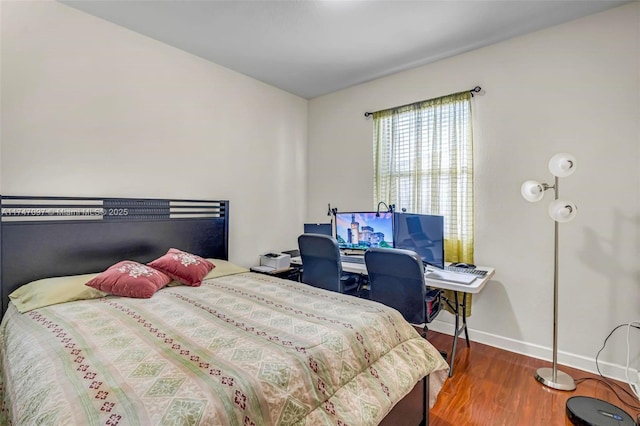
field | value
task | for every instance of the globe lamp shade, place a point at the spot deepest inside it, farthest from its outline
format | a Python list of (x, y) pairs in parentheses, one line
[(562, 210), (532, 190), (562, 165)]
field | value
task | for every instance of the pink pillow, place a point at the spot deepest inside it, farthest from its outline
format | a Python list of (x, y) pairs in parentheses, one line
[(130, 279), (185, 267)]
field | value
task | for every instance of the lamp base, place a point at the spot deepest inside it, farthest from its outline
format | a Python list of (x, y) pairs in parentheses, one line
[(563, 381)]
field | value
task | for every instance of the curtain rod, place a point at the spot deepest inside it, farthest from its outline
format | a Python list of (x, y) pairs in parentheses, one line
[(476, 89)]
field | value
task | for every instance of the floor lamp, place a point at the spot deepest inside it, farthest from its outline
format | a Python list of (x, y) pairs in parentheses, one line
[(560, 165)]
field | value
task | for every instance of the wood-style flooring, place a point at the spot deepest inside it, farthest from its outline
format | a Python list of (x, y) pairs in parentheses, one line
[(494, 387)]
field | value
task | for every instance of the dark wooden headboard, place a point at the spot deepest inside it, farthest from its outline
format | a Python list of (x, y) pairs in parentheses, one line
[(55, 236)]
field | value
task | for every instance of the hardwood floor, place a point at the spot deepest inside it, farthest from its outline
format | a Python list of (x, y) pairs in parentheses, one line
[(493, 387)]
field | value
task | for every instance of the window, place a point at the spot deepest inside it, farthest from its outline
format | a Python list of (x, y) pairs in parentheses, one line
[(423, 162)]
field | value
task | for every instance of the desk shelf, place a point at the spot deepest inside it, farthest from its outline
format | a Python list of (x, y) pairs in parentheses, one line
[(292, 273)]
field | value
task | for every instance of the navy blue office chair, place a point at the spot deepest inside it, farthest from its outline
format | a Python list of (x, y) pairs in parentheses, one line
[(396, 279), (321, 265)]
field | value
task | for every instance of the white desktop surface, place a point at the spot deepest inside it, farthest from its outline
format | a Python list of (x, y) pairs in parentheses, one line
[(474, 287)]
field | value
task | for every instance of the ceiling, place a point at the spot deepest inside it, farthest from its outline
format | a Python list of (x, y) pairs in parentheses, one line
[(311, 48)]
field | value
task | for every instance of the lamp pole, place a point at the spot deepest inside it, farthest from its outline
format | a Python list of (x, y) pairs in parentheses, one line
[(555, 289), (551, 377)]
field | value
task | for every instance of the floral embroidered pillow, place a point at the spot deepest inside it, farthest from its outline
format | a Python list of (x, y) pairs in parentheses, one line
[(184, 267), (130, 279)]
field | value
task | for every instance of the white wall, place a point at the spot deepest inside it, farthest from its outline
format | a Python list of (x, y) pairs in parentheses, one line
[(92, 109), (574, 88)]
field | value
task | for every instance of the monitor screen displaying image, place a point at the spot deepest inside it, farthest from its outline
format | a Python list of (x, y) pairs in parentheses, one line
[(423, 234), (362, 230)]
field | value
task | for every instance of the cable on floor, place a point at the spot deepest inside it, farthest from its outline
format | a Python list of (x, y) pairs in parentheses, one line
[(613, 386)]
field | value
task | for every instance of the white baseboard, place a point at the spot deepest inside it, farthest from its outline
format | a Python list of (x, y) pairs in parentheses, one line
[(580, 362)]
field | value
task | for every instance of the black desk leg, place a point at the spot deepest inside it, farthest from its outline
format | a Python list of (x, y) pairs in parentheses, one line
[(464, 318), (456, 331)]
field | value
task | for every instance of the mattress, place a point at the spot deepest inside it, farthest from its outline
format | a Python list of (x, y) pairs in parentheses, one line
[(243, 349)]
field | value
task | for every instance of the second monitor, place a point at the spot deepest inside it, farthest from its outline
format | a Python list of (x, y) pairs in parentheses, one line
[(423, 234), (318, 228)]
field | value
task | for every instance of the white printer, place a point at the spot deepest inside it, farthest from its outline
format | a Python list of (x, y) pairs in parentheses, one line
[(275, 260)]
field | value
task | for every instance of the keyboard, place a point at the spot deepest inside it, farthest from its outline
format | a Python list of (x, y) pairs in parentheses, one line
[(352, 259), (453, 277), (473, 271)]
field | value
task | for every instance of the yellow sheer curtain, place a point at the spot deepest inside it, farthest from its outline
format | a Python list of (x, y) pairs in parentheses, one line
[(423, 162)]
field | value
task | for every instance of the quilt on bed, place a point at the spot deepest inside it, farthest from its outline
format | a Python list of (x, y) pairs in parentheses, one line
[(244, 349)]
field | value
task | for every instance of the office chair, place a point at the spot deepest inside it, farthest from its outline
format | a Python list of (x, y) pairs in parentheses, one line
[(321, 265), (396, 279)]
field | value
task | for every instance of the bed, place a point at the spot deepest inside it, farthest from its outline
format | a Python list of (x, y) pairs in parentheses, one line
[(240, 349)]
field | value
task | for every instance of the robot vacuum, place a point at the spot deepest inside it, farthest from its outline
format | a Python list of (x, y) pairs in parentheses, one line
[(587, 411)]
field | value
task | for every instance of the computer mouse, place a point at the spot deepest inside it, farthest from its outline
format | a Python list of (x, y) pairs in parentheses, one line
[(464, 265)]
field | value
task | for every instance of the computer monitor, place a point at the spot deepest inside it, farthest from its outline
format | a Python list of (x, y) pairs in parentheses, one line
[(318, 228), (362, 230), (421, 233)]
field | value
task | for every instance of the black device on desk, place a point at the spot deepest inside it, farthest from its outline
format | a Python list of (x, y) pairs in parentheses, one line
[(292, 253), (463, 265), (318, 228)]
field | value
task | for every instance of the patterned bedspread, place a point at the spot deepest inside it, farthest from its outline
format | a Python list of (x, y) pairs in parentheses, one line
[(243, 350)]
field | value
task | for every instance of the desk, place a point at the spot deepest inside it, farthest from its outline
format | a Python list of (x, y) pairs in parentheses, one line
[(458, 307)]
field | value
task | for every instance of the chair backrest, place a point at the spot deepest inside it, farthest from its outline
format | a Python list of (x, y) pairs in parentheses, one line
[(396, 279), (321, 266)]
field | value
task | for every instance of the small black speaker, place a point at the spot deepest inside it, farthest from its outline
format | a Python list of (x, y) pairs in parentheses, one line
[(587, 411)]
